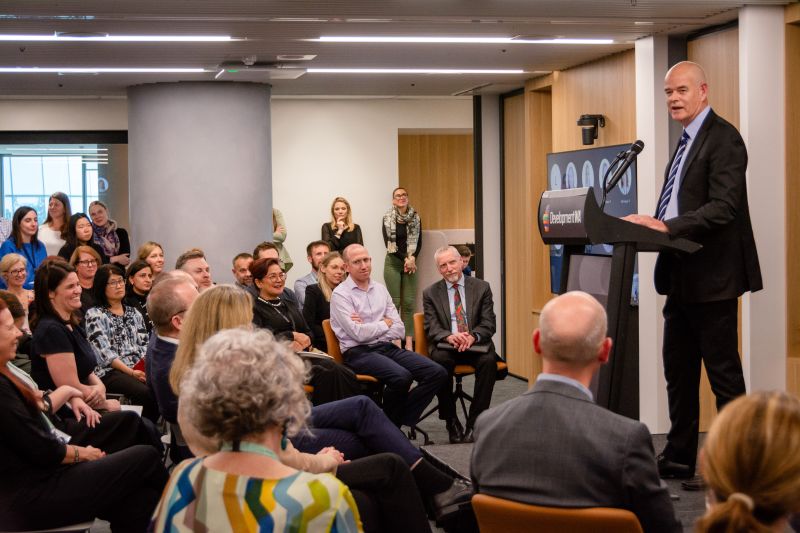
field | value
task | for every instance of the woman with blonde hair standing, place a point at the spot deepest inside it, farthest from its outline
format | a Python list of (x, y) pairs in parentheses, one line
[(402, 235), (341, 232), (751, 465)]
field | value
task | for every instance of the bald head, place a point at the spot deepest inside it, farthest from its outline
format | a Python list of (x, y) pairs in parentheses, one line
[(690, 69), (686, 90), (352, 250), (572, 329)]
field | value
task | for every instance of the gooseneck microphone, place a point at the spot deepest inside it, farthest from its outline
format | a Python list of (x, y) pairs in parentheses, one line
[(630, 157)]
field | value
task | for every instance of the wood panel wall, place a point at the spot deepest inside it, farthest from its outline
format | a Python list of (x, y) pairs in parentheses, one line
[(518, 219), (437, 171), (543, 120), (718, 54), (792, 193)]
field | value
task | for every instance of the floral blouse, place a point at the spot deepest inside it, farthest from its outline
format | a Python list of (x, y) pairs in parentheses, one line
[(116, 337)]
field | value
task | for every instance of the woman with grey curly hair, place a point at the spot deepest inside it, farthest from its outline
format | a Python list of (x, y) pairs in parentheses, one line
[(245, 391)]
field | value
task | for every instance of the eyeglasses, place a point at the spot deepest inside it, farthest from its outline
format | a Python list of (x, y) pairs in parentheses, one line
[(401, 195), (276, 277), (17, 272), (88, 262), (116, 282)]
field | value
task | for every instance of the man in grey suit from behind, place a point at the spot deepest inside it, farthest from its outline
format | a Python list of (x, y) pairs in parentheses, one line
[(553, 446)]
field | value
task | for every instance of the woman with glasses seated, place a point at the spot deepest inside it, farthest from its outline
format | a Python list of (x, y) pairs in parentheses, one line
[(24, 240), (331, 381), (80, 233), (13, 269), (85, 259), (118, 333)]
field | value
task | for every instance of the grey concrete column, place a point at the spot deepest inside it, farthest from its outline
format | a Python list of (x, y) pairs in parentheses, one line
[(200, 168)]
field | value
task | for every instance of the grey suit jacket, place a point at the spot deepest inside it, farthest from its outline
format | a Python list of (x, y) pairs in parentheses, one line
[(479, 306), (554, 447)]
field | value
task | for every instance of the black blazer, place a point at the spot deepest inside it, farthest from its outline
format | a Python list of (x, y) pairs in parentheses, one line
[(479, 306), (713, 211), (316, 309)]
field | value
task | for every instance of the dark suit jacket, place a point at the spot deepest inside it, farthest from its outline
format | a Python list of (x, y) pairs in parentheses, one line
[(712, 210), (478, 305), (158, 362), (553, 446)]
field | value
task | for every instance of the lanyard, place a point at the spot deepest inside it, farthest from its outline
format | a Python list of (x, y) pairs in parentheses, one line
[(250, 447)]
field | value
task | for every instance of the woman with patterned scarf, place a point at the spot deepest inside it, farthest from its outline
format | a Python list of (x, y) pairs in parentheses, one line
[(402, 235), (112, 239)]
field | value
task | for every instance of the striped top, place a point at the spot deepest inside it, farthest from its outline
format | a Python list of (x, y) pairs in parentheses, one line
[(198, 498)]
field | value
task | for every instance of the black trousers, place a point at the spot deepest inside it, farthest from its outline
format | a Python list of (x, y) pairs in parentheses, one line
[(122, 488), (696, 332), (331, 381), (386, 494), (115, 431), (134, 390), (485, 376)]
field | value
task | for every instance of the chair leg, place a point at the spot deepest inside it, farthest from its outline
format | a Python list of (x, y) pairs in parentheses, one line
[(462, 396), (412, 434)]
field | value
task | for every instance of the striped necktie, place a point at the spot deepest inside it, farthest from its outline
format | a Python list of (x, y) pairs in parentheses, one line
[(666, 194), (461, 319)]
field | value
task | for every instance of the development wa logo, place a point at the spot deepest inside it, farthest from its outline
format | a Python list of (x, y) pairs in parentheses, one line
[(546, 218)]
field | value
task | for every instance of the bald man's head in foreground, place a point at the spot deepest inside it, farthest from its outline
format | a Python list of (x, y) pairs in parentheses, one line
[(572, 333)]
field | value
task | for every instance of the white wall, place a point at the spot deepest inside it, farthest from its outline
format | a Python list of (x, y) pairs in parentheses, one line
[(323, 148)]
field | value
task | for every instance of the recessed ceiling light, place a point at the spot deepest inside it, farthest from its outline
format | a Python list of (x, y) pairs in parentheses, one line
[(295, 57), (297, 19), (409, 71), (453, 40), (117, 38), (99, 70)]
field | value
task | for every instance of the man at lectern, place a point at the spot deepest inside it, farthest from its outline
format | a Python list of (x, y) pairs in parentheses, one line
[(704, 199)]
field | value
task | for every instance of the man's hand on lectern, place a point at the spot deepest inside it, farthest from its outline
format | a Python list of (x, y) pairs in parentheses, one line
[(648, 221)]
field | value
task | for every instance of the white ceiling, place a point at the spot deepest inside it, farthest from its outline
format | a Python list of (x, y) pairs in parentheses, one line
[(267, 36)]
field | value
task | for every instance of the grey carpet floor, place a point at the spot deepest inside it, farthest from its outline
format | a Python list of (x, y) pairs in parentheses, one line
[(689, 505)]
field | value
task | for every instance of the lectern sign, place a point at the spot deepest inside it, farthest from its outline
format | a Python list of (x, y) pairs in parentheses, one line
[(562, 214)]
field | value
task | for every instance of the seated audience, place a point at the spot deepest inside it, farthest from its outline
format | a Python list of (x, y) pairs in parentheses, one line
[(355, 426), (231, 395), (110, 237), (459, 324), (53, 232), (118, 333), (13, 269), (80, 233), (194, 263), (153, 253), (750, 465), (553, 446), (331, 381), (318, 297), (55, 473), (85, 259), (367, 325), (316, 251), (139, 280), (60, 353), (241, 270), (24, 241), (341, 232)]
